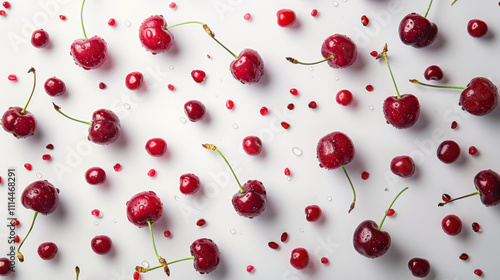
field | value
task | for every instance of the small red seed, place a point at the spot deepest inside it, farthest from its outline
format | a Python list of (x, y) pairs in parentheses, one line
[(285, 125), (2, 13), (314, 13), (365, 175), (273, 245), (117, 167), (16, 239), (264, 111), (6, 5), (454, 125), (15, 222), (250, 268), (294, 91), (476, 227), (12, 77), (152, 173), (473, 151), (167, 234), (111, 22), (391, 212), (446, 197), (136, 275), (96, 213), (287, 171), (46, 157), (171, 87), (324, 260), (28, 166), (62, 17), (172, 5), (247, 16), (290, 106), (312, 105), (201, 222), (230, 104), (369, 88), (478, 272), (374, 53), (102, 85), (50, 147), (365, 20), (284, 236), (464, 256)]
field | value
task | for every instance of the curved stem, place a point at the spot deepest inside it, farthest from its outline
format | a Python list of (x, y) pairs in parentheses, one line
[(353, 191), (214, 148), (453, 2), (384, 55), (390, 206), (471, 194), (77, 271), (19, 255), (414, 81), (169, 263), (32, 70), (428, 8), (58, 109), (295, 61), (153, 238), (81, 20)]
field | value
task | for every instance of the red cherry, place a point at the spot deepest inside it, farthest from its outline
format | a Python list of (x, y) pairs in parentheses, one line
[(144, 206), (250, 202), (229, 104), (334, 150), (5, 266), (206, 255), (156, 147), (263, 111), (101, 244), (369, 241), (417, 30), (47, 250), (248, 68), (344, 97), (480, 97), (54, 86), (403, 166), (39, 38), (252, 145), (152, 173), (40, 196), (189, 183), (299, 258), (286, 17), (433, 72), (452, 225), (342, 48), (95, 176), (448, 151), (134, 80), (198, 75), (89, 53), (111, 22), (477, 28), (195, 110), (250, 268), (313, 213), (154, 36), (419, 267)]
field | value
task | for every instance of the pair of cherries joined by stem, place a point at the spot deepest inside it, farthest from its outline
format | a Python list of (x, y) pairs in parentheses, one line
[(417, 30), (154, 34)]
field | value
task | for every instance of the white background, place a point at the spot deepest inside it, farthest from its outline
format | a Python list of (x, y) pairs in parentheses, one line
[(155, 111)]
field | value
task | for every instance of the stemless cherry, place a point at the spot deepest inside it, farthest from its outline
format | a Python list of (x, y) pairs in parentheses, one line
[(286, 17), (198, 75), (5, 266), (451, 225), (95, 176), (195, 110), (189, 183), (403, 166), (433, 72), (344, 97), (47, 250), (299, 258), (156, 147), (39, 38), (419, 267), (448, 151), (101, 244), (54, 86), (252, 145), (477, 28), (134, 80), (313, 213)]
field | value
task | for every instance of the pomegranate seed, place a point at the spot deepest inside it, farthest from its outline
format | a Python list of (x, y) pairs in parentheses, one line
[(16, 239), (287, 171), (15, 222), (324, 260), (264, 111), (478, 272), (250, 268), (290, 106), (102, 85), (472, 150), (365, 175), (50, 147), (96, 213), (312, 105), (172, 5), (391, 212), (230, 104), (454, 125), (6, 5), (369, 88), (46, 157), (152, 173), (284, 236), (171, 87), (273, 245), (117, 167), (12, 77), (294, 91), (62, 17), (365, 20), (201, 222), (464, 256), (247, 16), (285, 125), (136, 275), (374, 53), (111, 22), (446, 197), (314, 13), (2, 13), (476, 227), (167, 233), (28, 166)]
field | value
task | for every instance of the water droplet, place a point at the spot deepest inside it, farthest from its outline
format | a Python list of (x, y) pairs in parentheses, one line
[(235, 126), (301, 230), (370, 107), (329, 198), (183, 120), (114, 221), (312, 76), (39, 175), (128, 23), (96, 223), (145, 264), (335, 4), (232, 231), (386, 189), (310, 68), (337, 78), (176, 198), (171, 67), (126, 106), (288, 178), (297, 151)]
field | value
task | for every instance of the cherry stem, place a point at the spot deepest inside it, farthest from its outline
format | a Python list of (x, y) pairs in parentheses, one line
[(208, 31), (471, 194), (169, 263), (384, 55), (32, 70), (81, 21), (153, 238), (429, 85), (428, 8), (353, 191), (214, 148), (390, 206), (295, 61), (77, 271), (19, 255), (58, 109), (453, 2)]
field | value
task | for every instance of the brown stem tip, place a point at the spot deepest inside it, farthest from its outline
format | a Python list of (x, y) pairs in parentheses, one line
[(31, 70), (383, 53), (414, 81), (209, 147), (164, 264), (20, 257), (141, 269), (352, 206), (292, 60), (56, 106), (208, 31)]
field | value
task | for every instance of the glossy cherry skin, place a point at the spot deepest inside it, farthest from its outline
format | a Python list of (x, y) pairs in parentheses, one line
[(448, 151), (54, 86), (252, 145), (154, 36), (195, 110), (452, 225), (47, 250), (299, 258), (156, 147), (189, 183), (144, 206), (369, 241), (286, 17), (105, 128), (198, 75), (40, 196), (252, 201), (95, 176), (342, 48), (5, 266), (433, 72), (487, 182), (417, 31), (403, 166), (401, 112), (206, 255), (90, 53), (313, 213), (344, 97), (101, 244), (477, 28), (480, 97), (134, 80), (334, 150), (419, 267), (39, 38), (248, 68), (20, 125)]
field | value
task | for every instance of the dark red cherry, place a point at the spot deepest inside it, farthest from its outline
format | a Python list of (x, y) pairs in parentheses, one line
[(286, 17), (198, 75), (342, 48), (206, 255), (419, 267), (154, 36), (448, 151), (40, 196), (54, 86), (477, 28), (299, 258), (144, 206), (195, 110), (252, 201), (417, 31), (21, 125), (156, 147), (95, 176), (89, 53), (487, 182), (47, 250), (433, 72), (313, 213), (344, 97), (403, 166), (5, 266), (334, 150), (101, 244), (480, 97), (189, 183), (401, 112), (39, 38), (248, 68), (451, 225), (134, 80), (105, 128), (252, 145), (369, 241)]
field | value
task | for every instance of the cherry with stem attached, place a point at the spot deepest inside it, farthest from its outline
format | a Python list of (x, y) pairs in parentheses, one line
[(417, 30), (250, 200)]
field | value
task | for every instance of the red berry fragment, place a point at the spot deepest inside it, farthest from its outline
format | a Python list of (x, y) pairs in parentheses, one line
[(264, 111), (473, 151), (171, 87), (156, 147), (137, 275), (285, 125), (247, 16), (201, 222), (286, 17), (284, 237), (290, 106), (365, 175), (344, 97), (167, 234), (95, 176), (2, 13), (16, 239), (152, 173), (134, 80), (46, 157), (28, 166), (252, 145), (294, 91), (324, 260), (62, 17), (15, 222), (374, 53), (111, 22), (12, 77), (6, 5), (96, 213), (314, 13), (365, 20), (287, 172), (172, 5), (369, 88), (478, 272), (229, 104), (312, 105), (313, 213), (117, 167), (391, 212), (102, 85), (454, 125), (299, 258), (49, 146), (446, 197), (476, 227), (250, 268), (464, 256), (273, 245), (198, 75)]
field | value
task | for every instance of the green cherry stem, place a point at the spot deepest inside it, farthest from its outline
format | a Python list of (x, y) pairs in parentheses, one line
[(81, 20), (414, 81), (214, 148), (169, 263), (353, 191), (384, 55), (390, 206), (428, 8), (77, 271), (471, 194), (453, 2), (162, 260), (19, 255), (295, 61), (58, 109), (32, 70)]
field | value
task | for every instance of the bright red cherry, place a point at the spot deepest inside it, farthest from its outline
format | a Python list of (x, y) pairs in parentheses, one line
[(313, 213), (299, 258), (206, 255), (480, 97), (248, 67), (144, 206), (101, 244), (448, 151), (286, 17), (433, 72), (344, 97), (5, 266), (189, 183), (198, 75), (89, 53), (252, 145), (156, 147), (342, 50), (403, 166), (134, 80), (477, 28), (95, 175), (195, 110), (47, 250), (154, 36), (419, 267), (54, 86), (417, 30), (39, 38), (452, 225)]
